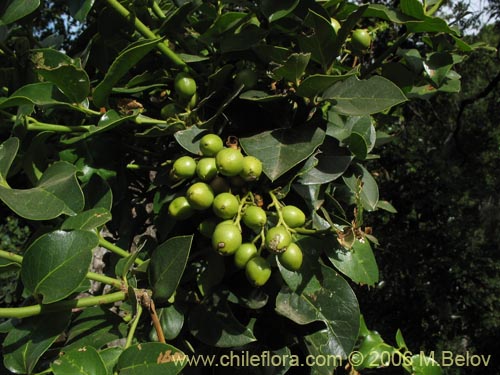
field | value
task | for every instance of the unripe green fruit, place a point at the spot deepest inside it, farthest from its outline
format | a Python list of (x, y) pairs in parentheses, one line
[(254, 217), (226, 238), (225, 205), (206, 169), (200, 196), (252, 168), (361, 39), (229, 162), (180, 209), (293, 216), (258, 271), (184, 85), (246, 78), (211, 144), (335, 25), (291, 258), (184, 167), (244, 253), (277, 239)]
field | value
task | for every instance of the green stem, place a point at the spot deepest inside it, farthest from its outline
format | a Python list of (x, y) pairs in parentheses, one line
[(90, 275), (26, 311), (104, 279), (117, 250), (41, 126), (147, 33), (434, 8), (158, 11), (133, 327), (11, 256)]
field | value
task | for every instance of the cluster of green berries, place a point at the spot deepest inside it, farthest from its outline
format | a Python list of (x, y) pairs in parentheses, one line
[(209, 192), (209, 187)]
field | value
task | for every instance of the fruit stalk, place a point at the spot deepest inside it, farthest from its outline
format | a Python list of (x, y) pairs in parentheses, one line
[(117, 250)]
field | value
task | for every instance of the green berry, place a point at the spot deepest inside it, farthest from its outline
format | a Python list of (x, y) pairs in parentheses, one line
[(244, 253), (361, 39), (200, 196), (206, 169), (293, 216), (226, 238), (277, 239), (291, 258), (184, 167), (252, 168), (184, 85), (180, 209), (210, 144), (258, 271), (225, 205), (254, 217), (229, 162)]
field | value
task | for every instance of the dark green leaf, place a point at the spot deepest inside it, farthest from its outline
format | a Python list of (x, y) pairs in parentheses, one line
[(56, 263), (358, 263), (400, 341), (369, 189), (57, 193), (282, 149), (152, 358), (275, 10), (317, 83), (330, 163), (71, 80), (87, 220), (110, 357), (293, 68), (42, 94), (8, 151), (224, 331), (363, 97), (172, 321), (384, 205), (95, 326), (320, 42), (167, 266), (244, 40), (327, 298), (224, 23), (261, 96), (17, 9), (438, 65), (83, 361), (413, 8), (127, 59), (79, 9), (29, 340)]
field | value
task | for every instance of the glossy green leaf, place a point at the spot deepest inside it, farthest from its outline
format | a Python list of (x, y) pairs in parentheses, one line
[(127, 59), (84, 361), (275, 10), (8, 151), (437, 66), (282, 149), (358, 263), (172, 321), (294, 67), (42, 94), (400, 341), (57, 193), (29, 340), (329, 164), (211, 272), (222, 24), (413, 8), (79, 9), (95, 326), (423, 365), (167, 266), (108, 121), (430, 25), (369, 189), (248, 37), (152, 358), (320, 42), (387, 206), (261, 96), (71, 80), (318, 345), (110, 357), (98, 194), (317, 83), (17, 9), (327, 298), (87, 220), (56, 263), (224, 330), (363, 97)]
